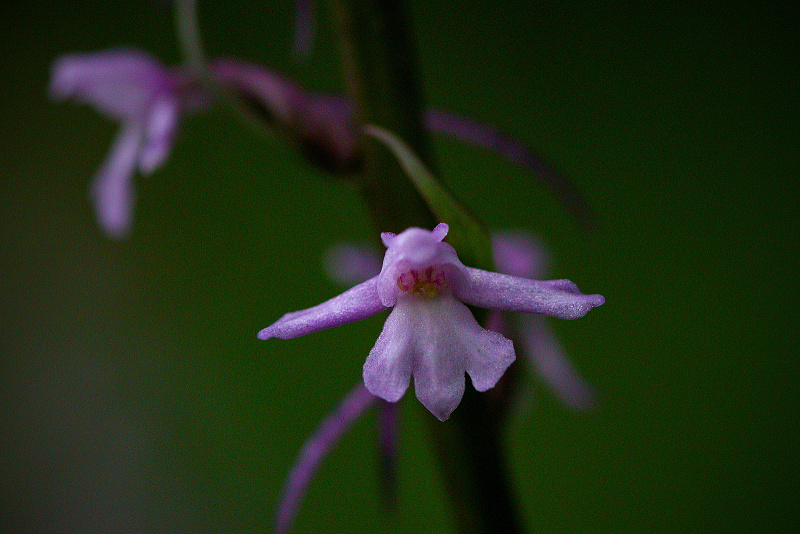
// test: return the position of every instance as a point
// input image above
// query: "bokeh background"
(135, 397)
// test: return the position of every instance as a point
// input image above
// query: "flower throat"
(428, 282)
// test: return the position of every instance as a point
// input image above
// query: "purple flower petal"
(159, 134)
(120, 83)
(436, 340)
(494, 291)
(327, 435)
(414, 248)
(387, 370)
(358, 302)
(147, 98)
(519, 254)
(349, 263)
(430, 334)
(544, 351)
(112, 189)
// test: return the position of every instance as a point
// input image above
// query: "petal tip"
(62, 77)
(440, 231)
(387, 238)
(442, 416)
(440, 399)
(264, 334)
(442, 412)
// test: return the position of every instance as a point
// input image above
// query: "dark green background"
(136, 397)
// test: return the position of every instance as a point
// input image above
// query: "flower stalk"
(381, 67)
(380, 62)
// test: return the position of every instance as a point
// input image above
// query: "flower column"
(381, 67)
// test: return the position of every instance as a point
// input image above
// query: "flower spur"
(430, 333)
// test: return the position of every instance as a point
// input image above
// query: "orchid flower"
(430, 333)
(516, 253)
(147, 98)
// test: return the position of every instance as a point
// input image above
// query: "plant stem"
(380, 64)
(470, 448)
(381, 67)
(189, 37)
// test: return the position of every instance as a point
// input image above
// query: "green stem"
(470, 448)
(189, 37)
(381, 66)
(188, 28)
